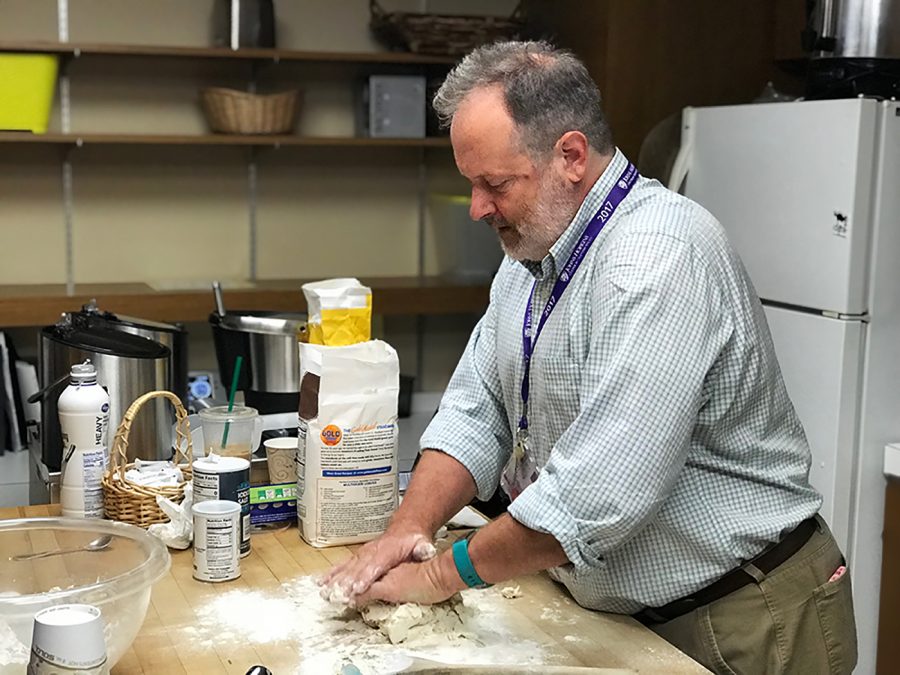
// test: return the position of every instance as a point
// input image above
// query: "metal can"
(225, 478)
(217, 533)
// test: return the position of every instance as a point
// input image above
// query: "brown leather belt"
(766, 561)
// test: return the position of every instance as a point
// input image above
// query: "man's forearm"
(439, 488)
(505, 549)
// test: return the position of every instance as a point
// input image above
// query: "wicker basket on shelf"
(231, 111)
(130, 502)
(443, 35)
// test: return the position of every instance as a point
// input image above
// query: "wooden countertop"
(582, 637)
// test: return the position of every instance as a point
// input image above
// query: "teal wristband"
(464, 565)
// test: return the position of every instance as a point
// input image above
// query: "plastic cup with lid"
(244, 429)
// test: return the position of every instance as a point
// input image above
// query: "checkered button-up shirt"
(668, 448)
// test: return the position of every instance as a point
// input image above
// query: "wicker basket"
(443, 35)
(231, 111)
(127, 501)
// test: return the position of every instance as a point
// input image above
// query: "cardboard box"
(273, 503)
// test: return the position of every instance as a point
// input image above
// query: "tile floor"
(14, 478)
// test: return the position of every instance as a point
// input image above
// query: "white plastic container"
(84, 421)
(217, 540)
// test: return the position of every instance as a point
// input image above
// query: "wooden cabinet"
(652, 57)
(889, 616)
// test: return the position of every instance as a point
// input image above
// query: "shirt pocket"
(555, 389)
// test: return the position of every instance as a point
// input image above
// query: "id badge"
(520, 471)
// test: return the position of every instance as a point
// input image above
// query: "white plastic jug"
(84, 421)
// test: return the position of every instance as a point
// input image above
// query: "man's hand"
(355, 576)
(440, 486)
(426, 583)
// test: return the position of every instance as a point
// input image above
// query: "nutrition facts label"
(216, 548)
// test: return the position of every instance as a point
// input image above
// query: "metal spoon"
(97, 544)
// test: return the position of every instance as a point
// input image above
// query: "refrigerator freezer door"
(821, 361)
(791, 183)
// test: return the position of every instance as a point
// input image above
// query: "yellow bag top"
(340, 312)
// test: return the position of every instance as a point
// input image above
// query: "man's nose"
(482, 205)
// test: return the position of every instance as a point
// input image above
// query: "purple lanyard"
(622, 187)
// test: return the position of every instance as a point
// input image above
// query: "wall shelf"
(39, 305)
(76, 50)
(218, 139)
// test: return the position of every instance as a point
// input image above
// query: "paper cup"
(281, 456)
(69, 636)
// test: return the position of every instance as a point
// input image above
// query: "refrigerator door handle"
(681, 165)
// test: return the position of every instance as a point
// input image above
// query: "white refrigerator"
(809, 193)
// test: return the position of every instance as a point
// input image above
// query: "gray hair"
(547, 91)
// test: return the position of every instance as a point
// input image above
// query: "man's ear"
(572, 149)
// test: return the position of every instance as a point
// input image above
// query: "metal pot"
(267, 342)
(860, 28)
(127, 366)
(856, 48)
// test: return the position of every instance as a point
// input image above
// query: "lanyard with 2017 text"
(622, 187)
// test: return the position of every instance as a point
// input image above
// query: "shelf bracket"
(422, 194)
(258, 65)
(68, 200)
(62, 20)
(65, 109)
(252, 195)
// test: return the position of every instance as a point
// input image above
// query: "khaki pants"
(792, 620)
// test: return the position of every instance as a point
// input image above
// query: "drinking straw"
(234, 381)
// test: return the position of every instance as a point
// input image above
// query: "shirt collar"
(562, 249)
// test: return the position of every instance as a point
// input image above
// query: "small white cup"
(69, 636)
(281, 457)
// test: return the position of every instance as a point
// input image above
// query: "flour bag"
(347, 456)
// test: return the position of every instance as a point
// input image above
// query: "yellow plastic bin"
(27, 82)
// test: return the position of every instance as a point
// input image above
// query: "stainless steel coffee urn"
(173, 336)
(127, 366)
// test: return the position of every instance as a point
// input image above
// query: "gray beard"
(544, 226)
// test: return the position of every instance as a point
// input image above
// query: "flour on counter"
(557, 616)
(327, 636)
(13, 654)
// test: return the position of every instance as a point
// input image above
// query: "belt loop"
(758, 575)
